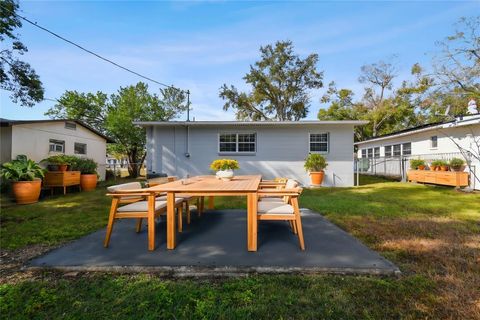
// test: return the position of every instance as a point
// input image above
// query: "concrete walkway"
(217, 241)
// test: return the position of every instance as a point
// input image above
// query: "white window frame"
(328, 143)
(375, 155)
(431, 142)
(236, 152)
(385, 151)
(75, 152)
(56, 142)
(393, 150)
(403, 150)
(370, 153)
(363, 152)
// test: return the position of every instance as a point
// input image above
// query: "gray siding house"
(272, 149)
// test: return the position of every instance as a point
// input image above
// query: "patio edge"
(196, 272)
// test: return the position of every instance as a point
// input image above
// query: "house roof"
(457, 122)
(245, 123)
(9, 123)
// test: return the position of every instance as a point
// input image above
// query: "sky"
(201, 45)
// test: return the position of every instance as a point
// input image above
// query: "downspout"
(187, 150)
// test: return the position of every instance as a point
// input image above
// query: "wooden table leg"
(171, 232)
(151, 222)
(252, 221)
(211, 202)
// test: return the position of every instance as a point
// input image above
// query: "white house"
(38, 139)
(272, 149)
(444, 140)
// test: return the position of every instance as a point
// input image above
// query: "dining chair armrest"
(281, 192)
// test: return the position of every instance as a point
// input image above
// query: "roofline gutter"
(246, 123)
(447, 125)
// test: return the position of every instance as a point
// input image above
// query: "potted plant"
(457, 164)
(417, 164)
(435, 165)
(443, 165)
(224, 168)
(60, 162)
(315, 164)
(88, 170)
(25, 175)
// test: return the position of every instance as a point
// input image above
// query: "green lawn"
(432, 233)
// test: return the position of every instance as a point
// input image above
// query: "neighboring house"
(429, 142)
(272, 149)
(38, 139)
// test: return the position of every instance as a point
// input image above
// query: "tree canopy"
(16, 76)
(115, 115)
(454, 79)
(280, 81)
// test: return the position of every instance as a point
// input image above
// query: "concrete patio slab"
(217, 242)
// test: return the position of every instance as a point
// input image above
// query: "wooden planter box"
(61, 179)
(447, 178)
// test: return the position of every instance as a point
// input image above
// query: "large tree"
(114, 115)
(381, 105)
(280, 82)
(16, 76)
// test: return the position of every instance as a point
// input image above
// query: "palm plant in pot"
(315, 164)
(457, 164)
(26, 177)
(224, 168)
(88, 170)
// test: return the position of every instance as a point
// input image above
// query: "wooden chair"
(186, 198)
(136, 207)
(285, 208)
(288, 184)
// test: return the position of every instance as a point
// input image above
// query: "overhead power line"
(92, 53)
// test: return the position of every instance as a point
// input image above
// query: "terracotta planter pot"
(444, 168)
(62, 167)
(88, 182)
(317, 177)
(26, 192)
(421, 167)
(433, 168)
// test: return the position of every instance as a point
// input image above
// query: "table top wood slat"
(211, 184)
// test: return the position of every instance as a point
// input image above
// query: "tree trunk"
(133, 168)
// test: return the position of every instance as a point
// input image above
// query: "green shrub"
(439, 163)
(59, 159)
(85, 166)
(315, 162)
(415, 163)
(456, 163)
(21, 169)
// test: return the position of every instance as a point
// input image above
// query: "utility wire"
(93, 53)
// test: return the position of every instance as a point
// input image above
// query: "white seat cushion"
(270, 207)
(291, 184)
(274, 199)
(142, 206)
(125, 186)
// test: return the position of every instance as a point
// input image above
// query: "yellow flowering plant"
(224, 164)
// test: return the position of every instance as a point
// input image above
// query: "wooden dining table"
(209, 186)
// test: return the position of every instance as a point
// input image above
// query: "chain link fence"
(397, 167)
(123, 170)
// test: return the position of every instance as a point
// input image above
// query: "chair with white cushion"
(187, 199)
(137, 209)
(285, 208)
(289, 184)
